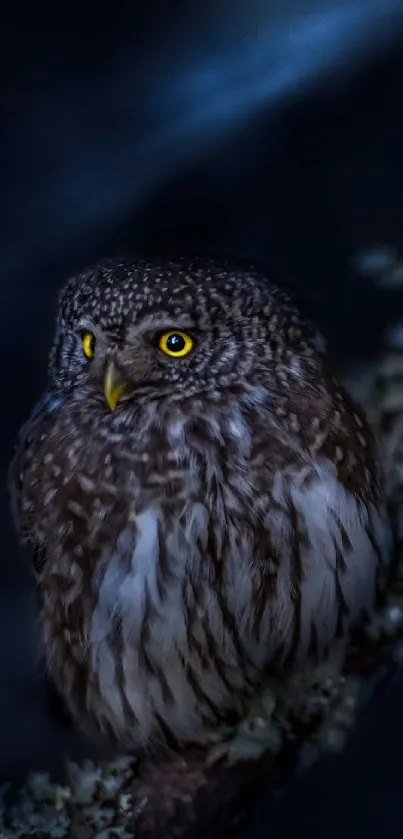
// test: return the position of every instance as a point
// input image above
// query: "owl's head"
(177, 327)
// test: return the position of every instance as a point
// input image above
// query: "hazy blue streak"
(98, 152)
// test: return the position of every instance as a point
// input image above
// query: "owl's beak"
(115, 385)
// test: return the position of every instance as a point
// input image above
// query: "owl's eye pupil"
(175, 343)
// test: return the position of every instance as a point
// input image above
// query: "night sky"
(268, 130)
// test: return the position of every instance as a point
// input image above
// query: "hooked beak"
(114, 385)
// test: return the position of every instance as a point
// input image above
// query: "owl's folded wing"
(22, 454)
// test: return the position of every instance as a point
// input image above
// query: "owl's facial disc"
(115, 385)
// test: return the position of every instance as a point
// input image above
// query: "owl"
(202, 501)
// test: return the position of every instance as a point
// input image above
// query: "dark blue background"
(270, 130)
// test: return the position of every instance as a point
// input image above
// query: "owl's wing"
(335, 559)
(21, 455)
(55, 701)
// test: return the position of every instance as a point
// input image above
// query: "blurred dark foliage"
(267, 130)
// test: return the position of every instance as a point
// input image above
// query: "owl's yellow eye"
(88, 342)
(175, 343)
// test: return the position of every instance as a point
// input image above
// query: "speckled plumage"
(227, 518)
